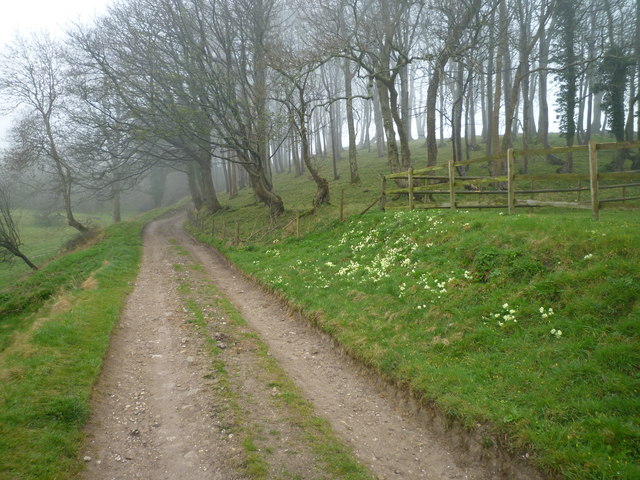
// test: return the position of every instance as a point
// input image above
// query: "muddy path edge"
(479, 444)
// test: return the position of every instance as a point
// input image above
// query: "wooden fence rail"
(416, 182)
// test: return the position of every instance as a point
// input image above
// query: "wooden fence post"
(593, 179)
(297, 225)
(531, 188)
(213, 226)
(236, 240)
(383, 195)
(452, 184)
(410, 187)
(410, 180)
(511, 191)
(579, 190)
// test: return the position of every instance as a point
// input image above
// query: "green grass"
(43, 238)
(415, 296)
(52, 352)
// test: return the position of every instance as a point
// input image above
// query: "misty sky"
(25, 16)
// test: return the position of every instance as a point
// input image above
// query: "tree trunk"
(404, 100)
(368, 106)
(387, 121)
(157, 181)
(498, 164)
(526, 119)
(456, 114)
(377, 116)
(405, 150)
(597, 127)
(365, 136)
(264, 192)
(531, 95)
(637, 55)
(194, 188)
(116, 212)
(432, 99)
(338, 126)
(543, 105)
(582, 87)
(233, 178)
(322, 193)
(64, 176)
(208, 191)
(630, 110)
(442, 143)
(489, 89)
(470, 134)
(226, 170)
(507, 80)
(26, 260)
(318, 130)
(336, 146)
(588, 119)
(354, 178)
(295, 153)
(483, 109)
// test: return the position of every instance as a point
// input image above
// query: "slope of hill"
(524, 326)
(527, 323)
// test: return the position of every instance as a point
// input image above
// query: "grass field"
(527, 324)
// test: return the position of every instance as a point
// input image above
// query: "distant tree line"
(230, 91)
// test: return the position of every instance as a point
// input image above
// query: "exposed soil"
(161, 410)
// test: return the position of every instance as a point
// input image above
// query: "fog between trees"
(229, 92)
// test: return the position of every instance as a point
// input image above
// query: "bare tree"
(379, 36)
(354, 177)
(238, 34)
(10, 241)
(32, 76)
(526, 43)
(299, 64)
(110, 156)
(456, 20)
(148, 53)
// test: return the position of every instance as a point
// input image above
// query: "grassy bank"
(43, 237)
(526, 324)
(54, 333)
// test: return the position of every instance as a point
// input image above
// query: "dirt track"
(156, 413)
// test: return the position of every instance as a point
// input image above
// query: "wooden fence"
(420, 183)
